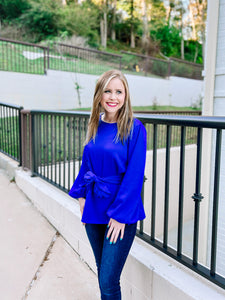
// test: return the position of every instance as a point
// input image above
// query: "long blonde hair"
(125, 114)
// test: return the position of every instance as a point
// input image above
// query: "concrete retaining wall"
(56, 90)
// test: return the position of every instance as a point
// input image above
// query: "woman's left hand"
(115, 228)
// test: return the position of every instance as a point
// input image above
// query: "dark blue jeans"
(110, 258)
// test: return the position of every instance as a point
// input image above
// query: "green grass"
(13, 59)
(9, 136)
(163, 108)
(149, 108)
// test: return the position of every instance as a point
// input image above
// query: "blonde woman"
(109, 183)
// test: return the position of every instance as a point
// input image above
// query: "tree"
(132, 36)
(169, 38)
(41, 19)
(11, 9)
(197, 15)
(113, 31)
(175, 16)
(103, 23)
(169, 10)
(145, 35)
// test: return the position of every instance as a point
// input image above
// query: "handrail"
(23, 43)
(89, 50)
(202, 121)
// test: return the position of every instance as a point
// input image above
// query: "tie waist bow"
(99, 184)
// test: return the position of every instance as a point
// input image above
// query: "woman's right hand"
(82, 203)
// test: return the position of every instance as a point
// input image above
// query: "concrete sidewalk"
(35, 261)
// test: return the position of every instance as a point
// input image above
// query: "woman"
(109, 183)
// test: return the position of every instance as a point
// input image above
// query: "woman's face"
(113, 97)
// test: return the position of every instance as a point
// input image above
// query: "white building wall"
(217, 104)
(219, 110)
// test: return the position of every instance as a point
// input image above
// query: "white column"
(208, 103)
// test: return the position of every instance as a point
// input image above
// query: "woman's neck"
(108, 118)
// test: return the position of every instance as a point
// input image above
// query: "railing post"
(215, 202)
(169, 69)
(26, 139)
(33, 155)
(167, 179)
(154, 167)
(20, 137)
(142, 197)
(48, 58)
(197, 196)
(181, 192)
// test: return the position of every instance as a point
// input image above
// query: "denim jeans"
(110, 258)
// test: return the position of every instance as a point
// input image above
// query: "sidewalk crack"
(47, 253)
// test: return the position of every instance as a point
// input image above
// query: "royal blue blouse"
(111, 176)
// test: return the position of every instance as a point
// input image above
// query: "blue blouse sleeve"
(126, 205)
(78, 190)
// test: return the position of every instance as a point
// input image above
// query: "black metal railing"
(175, 250)
(147, 65)
(81, 60)
(10, 130)
(56, 140)
(31, 58)
(22, 57)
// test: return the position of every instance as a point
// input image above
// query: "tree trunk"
(196, 53)
(198, 16)
(103, 24)
(181, 29)
(145, 26)
(182, 47)
(113, 33)
(132, 36)
(193, 25)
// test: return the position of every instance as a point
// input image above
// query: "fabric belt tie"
(98, 184)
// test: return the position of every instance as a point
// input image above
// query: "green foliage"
(38, 20)
(80, 20)
(41, 19)
(12, 9)
(123, 29)
(192, 49)
(169, 37)
(158, 16)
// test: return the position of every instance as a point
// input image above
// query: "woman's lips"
(111, 104)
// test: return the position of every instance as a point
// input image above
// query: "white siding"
(219, 110)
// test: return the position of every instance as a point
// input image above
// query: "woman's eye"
(107, 91)
(119, 92)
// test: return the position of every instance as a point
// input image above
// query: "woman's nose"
(113, 95)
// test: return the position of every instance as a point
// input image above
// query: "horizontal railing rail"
(10, 130)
